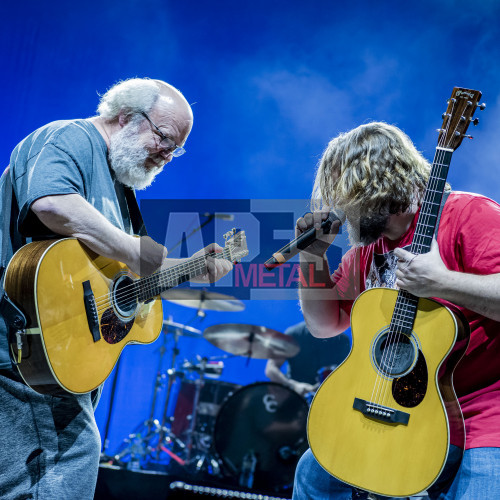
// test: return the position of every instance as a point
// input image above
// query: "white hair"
(135, 95)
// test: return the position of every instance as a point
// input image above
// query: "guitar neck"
(407, 303)
(429, 211)
(151, 286)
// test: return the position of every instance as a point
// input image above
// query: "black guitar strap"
(138, 225)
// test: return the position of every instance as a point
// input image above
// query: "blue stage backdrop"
(270, 83)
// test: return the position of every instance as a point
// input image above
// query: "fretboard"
(151, 286)
(406, 303)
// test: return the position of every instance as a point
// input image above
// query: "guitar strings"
(387, 359)
(156, 276)
(402, 303)
(406, 300)
(188, 265)
(406, 304)
(191, 263)
(147, 289)
(167, 277)
(158, 279)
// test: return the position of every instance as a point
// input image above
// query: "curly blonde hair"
(374, 167)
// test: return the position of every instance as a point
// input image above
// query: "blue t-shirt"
(315, 354)
(63, 157)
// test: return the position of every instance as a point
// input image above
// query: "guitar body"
(370, 451)
(59, 353)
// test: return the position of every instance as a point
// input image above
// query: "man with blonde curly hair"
(76, 178)
(377, 177)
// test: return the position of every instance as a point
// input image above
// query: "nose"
(167, 156)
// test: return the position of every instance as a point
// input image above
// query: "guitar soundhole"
(394, 354)
(124, 297)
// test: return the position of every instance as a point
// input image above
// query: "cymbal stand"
(141, 442)
(165, 433)
(203, 458)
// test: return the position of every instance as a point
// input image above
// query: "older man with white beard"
(76, 178)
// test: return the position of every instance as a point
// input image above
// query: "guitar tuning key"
(229, 234)
(475, 121)
(482, 106)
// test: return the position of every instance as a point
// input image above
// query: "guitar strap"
(138, 225)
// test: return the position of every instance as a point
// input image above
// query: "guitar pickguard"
(113, 329)
(410, 390)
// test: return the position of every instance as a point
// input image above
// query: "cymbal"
(170, 326)
(252, 341)
(201, 299)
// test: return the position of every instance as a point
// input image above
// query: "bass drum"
(268, 420)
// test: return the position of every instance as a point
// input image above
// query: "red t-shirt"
(469, 242)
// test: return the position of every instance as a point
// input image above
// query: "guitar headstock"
(458, 116)
(236, 243)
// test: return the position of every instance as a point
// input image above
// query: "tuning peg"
(482, 106)
(228, 235)
(475, 121)
(467, 136)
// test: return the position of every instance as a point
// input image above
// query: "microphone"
(219, 216)
(303, 241)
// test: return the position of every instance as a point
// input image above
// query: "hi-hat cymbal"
(252, 341)
(170, 326)
(201, 299)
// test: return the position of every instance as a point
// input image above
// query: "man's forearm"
(426, 275)
(320, 305)
(72, 215)
(479, 293)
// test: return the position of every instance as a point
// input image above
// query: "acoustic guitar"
(82, 309)
(383, 420)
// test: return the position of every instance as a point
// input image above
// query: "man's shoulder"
(462, 202)
(69, 135)
(74, 137)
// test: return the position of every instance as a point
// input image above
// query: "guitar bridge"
(379, 412)
(91, 310)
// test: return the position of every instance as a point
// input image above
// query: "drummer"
(315, 360)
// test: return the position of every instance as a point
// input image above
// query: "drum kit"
(251, 436)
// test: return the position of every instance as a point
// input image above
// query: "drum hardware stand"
(247, 470)
(104, 457)
(141, 442)
(165, 433)
(203, 459)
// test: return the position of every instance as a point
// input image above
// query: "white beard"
(128, 156)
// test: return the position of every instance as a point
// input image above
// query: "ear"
(123, 118)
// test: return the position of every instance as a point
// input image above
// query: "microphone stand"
(210, 218)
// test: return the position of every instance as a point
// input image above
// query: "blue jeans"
(478, 478)
(49, 447)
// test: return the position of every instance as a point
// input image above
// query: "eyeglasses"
(166, 143)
